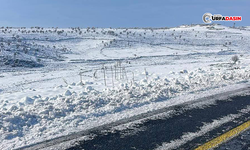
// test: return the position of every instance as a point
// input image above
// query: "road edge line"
(225, 137)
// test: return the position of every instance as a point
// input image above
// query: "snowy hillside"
(57, 81)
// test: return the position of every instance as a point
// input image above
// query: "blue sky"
(117, 13)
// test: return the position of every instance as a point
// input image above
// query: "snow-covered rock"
(183, 71)
(67, 93)
(27, 100)
(89, 88)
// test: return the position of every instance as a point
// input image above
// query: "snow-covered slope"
(58, 81)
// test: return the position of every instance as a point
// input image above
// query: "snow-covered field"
(57, 81)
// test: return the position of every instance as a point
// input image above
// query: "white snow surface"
(42, 97)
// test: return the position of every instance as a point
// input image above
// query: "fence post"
(146, 73)
(112, 76)
(133, 77)
(120, 65)
(124, 71)
(104, 76)
(115, 71)
(80, 77)
(94, 75)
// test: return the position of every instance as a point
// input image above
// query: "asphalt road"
(153, 132)
(241, 142)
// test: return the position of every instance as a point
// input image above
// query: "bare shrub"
(235, 58)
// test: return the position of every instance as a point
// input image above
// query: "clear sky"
(117, 13)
